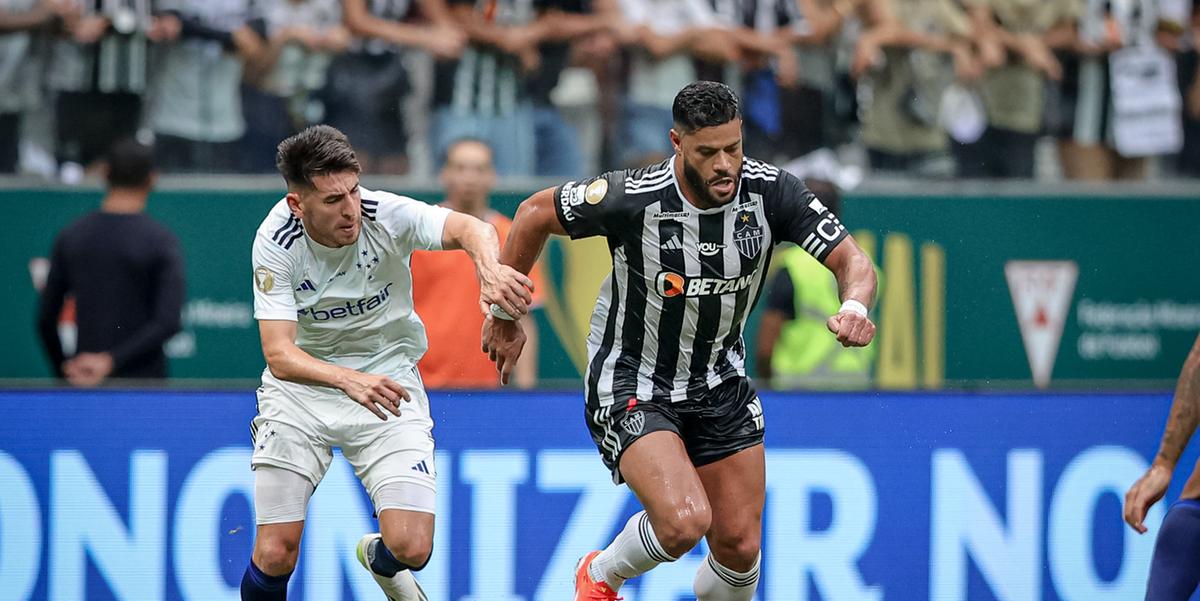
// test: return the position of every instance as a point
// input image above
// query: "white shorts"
(298, 426)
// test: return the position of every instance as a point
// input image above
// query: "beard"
(700, 187)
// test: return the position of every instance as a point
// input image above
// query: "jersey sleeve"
(273, 294)
(586, 208)
(413, 224)
(797, 215)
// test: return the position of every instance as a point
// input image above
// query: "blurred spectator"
(445, 290)
(590, 91)
(901, 60)
(98, 68)
(668, 35)
(282, 81)
(768, 70)
(368, 84)
(196, 105)
(20, 67)
(125, 273)
(819, 111)
(486, 93)
(1188, 162)
(1010, 37)
(1120, 97)
(556, 143)
(795, 349)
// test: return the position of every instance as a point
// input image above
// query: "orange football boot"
(587, 589)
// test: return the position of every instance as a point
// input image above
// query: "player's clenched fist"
(851, 329)
(372, 391)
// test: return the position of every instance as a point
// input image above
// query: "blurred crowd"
(1087, 89)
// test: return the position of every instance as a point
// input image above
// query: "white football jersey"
(353, 305)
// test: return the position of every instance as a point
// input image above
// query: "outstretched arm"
(1185, 416)
(440, 37)
(856, 287)
(535, 220)
(498, 284)
(41, 14)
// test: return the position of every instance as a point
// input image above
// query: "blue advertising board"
(146, 495)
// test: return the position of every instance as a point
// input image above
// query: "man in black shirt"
(125, 273)
(669, 405)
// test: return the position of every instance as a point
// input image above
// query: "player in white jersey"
(333, 297)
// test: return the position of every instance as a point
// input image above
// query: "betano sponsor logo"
(669, 284)
(349, 308)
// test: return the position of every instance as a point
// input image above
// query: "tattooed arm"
(1185, 416)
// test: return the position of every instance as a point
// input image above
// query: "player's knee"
(736, 551)
(276, 555)
(411, 550)
(684, 529)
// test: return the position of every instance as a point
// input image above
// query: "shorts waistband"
(1192, 503)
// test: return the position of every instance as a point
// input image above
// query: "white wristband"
(499, 313)
(854, 306)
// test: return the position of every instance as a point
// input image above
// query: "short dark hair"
(317, 150)
(130, 164)
(704, 104)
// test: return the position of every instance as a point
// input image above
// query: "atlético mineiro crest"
(747, 234)
(634, 422)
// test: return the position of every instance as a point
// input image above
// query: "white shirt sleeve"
(413, 224)
(634, 11)
(273, 294)
(701, 14)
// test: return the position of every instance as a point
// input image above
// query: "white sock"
(634, 552)
(715, 582)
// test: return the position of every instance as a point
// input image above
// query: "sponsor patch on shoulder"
(264, 280)
(596, 191)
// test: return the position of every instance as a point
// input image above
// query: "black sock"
(257, 586)
(383, 562)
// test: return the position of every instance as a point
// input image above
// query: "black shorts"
(712, 426)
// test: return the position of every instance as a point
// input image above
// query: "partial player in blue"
(1175, 569)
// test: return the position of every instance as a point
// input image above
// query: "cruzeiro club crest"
(747, 234)
(634, 422)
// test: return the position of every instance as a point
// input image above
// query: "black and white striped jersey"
(668, 321)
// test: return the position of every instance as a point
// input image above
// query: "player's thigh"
(736, 489)
(640, 444)
(657, 469)
(284, 436)
(394, 459)
(724, 440)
